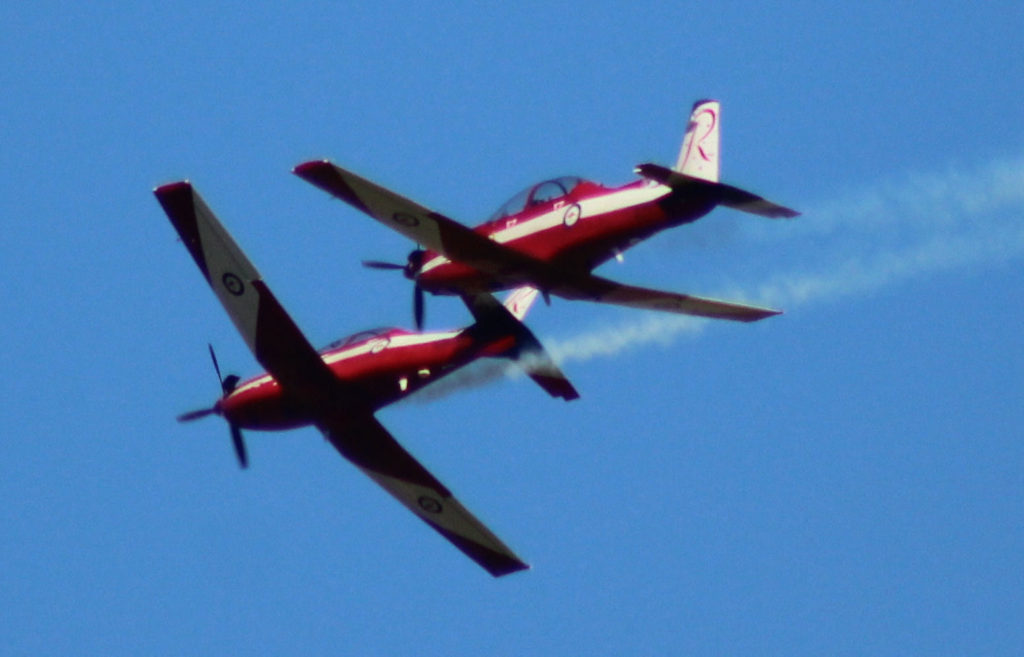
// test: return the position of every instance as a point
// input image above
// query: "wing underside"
(595, 288)
(421, 225)
(367, 444)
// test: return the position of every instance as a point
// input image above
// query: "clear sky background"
(845, 479)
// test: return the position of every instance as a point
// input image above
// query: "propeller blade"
(216, 367)
(228, 383)
(227, 386)
(195, 415)
(379, 264)
(239, 443)
(417, 306)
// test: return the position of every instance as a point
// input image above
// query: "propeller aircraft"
(554, 233)
(338, 389)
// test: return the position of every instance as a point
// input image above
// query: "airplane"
(339, 388)
(554, 233)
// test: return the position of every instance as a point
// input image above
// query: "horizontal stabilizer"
(494, 318)
(540, 368)
(727, 195)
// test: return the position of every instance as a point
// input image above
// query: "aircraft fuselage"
(576, 232)
(385, 367)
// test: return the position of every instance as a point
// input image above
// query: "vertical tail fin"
(698, 157)
(519, 301)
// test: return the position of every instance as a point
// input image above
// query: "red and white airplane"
(338, 389)
(553, 234)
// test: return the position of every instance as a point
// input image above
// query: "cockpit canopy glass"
(355, 338)
(549, 190)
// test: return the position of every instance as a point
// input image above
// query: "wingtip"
(751, 314)
(170, 187)
(310, 165)
(504, 571)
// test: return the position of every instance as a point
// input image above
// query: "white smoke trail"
(897, 231)
(859, 275)
(917, 202)
(926, 224)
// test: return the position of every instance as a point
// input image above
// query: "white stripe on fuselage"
(589, 208)
(397, 341)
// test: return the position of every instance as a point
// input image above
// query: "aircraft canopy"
(361, 336)
(549, 190)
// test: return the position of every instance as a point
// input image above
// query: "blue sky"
(843, 479)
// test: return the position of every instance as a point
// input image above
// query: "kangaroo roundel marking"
(233, 284)
(429, 504)
(405, 219)
(572, 215)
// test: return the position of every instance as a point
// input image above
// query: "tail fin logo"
(699, 155)
(703, 126)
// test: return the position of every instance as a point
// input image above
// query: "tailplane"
(494, 320)
(698, 158)
(727, 195)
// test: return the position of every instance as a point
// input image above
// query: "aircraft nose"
(414, 263)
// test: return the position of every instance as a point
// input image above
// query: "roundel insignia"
(572, 215)
(405, 219)
(233, 284)
(429, 504)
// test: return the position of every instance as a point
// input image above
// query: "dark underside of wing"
(367, 444)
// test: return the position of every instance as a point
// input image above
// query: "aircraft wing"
(595, 288)
(272, 336)
(423, 226)
(367, 444)
(346, 421)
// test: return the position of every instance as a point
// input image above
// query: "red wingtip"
(312, 165)
(170, 188)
